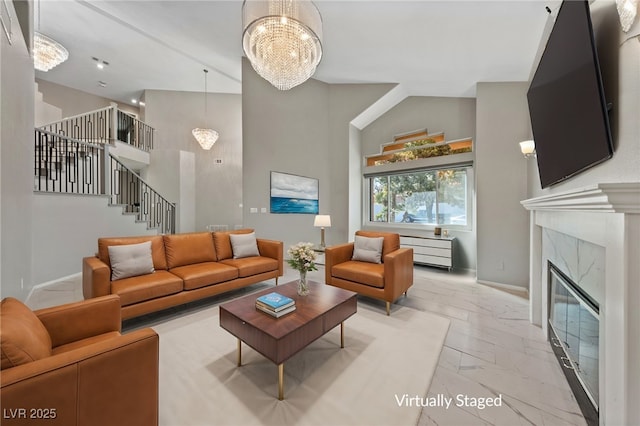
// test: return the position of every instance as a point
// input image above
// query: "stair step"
(123, 206)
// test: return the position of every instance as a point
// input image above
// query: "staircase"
(72, 157)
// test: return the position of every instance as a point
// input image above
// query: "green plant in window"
(380, 198)
(412, 197)
(412, 151)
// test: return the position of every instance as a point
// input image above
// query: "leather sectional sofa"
(186, 267)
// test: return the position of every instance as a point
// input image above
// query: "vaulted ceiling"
(432, 48)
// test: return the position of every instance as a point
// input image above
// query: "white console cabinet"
(435, 251)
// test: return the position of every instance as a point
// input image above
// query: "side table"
(319, 254)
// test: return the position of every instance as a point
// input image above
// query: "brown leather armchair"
(69, 365)
(386, 281)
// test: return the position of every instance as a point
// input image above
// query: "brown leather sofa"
(385, 281)
(69, 365)
(186, 267)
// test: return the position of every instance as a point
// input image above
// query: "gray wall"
(73, 102)
(501, 183)
(303, 131)
(454, 116)
(218, 186)
(355, 204)
(71, 230)
(16, 160)
(175, 172)
(44, 113)
(346, 102)
(286, 132)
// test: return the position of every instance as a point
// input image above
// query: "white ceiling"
(432, 48)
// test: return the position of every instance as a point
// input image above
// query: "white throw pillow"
(368, 249)
(130, 260)
(244, 245)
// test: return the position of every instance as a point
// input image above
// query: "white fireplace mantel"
(607, 215)
(603, 197)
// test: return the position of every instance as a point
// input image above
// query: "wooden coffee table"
(278, 339)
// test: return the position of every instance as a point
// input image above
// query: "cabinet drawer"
(425, 242)
(431, 251)
(432, 260)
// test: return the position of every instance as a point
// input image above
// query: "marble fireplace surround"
(600, 220)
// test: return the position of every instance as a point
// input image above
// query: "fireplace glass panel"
(573, 327)
(574, 319)
(559, 313)
(589, 347)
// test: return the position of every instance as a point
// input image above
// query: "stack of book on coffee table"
(275, 304)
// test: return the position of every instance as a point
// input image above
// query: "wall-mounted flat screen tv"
(567, 105)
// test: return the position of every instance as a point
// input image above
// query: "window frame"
(369, 176)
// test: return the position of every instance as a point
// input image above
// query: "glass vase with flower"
(302, 259)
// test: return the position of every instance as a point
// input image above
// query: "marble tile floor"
(491, 351)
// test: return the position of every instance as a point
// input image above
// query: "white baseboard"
(50, 283)
(509, 287)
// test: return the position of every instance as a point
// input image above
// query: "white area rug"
(385, 357)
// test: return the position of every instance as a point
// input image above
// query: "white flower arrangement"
(302, 257)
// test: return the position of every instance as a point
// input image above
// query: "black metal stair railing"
(66, 165)
(136, 196)
(134, 132)
(63, 164)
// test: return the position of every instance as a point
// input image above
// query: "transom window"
(428, 197)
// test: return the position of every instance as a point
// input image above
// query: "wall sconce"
(321, 221)
(528, 148)
(627, 11)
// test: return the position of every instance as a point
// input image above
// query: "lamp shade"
(528, 147)
(322, 220)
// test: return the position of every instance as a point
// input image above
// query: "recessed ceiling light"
(142, 103)
(134, 101)
(100, 63)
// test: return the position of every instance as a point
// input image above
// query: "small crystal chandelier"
(627, 11)
(205, 137)
(282, 39)
(47, 53)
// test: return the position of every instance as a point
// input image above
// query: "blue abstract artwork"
(293, 194)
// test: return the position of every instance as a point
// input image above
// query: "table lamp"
(322, 221)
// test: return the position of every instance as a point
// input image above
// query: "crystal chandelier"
(627, 11)
(282, 39)
(47, 53)
(205, 137)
